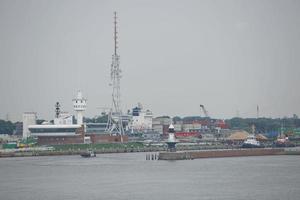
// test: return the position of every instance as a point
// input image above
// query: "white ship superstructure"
(141, 119)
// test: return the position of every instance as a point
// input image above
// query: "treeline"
(98, 119)
(263, 125)
(7, 127)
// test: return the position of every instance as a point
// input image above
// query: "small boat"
(88, 154)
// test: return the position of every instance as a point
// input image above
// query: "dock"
(190, 155)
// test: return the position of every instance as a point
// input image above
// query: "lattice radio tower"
(114, 125)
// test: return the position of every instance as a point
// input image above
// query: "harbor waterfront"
(185, 151)
(152, 100)
(77, 149)
(133, 177)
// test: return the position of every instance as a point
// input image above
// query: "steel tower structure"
(114, 124)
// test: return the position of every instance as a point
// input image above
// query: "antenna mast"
(115, 32)
(114, 124)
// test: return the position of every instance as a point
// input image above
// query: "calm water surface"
(130, 176)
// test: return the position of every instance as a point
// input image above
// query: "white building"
(53, 130)
(158, 128)
(191, 127)
(63, 123)
(79, 104)
(161, 124)
(29, 118)
(177, 127)
(162, 121)
(64, 118)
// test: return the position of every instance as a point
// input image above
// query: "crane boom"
(204, 110)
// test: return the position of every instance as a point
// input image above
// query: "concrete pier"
(187, 155)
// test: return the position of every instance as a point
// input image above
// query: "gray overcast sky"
(228, 55)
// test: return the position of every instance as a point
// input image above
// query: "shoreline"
(72, 152)
(165, 155)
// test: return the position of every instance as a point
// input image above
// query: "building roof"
(54, 126)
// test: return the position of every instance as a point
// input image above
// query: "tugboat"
(88, 154)
(251, 141)
(283, 140)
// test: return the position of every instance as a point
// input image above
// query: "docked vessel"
(251, 141)
(88, 154)
(284, 142)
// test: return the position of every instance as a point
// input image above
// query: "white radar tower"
(79, 104)
(114, 124)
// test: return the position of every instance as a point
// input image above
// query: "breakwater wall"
(77, 151)
(186, 155)
(28, 153)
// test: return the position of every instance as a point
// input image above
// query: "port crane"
(209, 122)
(204, 110)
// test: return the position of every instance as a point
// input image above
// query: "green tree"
(7, 127)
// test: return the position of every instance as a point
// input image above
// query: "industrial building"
(62, 134)
(161, 124)
(62, 131)
(29, 118)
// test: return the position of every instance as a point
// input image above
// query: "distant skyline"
(175, 55)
